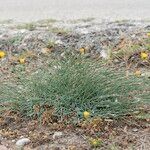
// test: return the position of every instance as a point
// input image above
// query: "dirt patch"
(127, 133)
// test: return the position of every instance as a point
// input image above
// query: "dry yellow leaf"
(82, 50)
(137, 73)
(46, 50)
(22, 60)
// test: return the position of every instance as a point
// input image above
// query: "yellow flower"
(137, 73)
(82, 50)
(144, 55)
(2, 54)
(95, 142)
(22, 60)
(86, 114)
(148, 34)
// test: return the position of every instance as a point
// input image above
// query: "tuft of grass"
(84, 20)
(8, 21)
(74, 85)
(59, 30)
(47, 21)
(50, 44)
(28, 26)
(123, 21)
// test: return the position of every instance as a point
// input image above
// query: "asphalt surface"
(32, 10)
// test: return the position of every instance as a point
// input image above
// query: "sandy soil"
(31, 10)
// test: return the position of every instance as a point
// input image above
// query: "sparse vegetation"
(126, 48)
(50, 44)
(47, 21)
(59, 30)
(82, 20)
(9, 21)
(28, 26)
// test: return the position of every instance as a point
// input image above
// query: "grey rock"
(22, 142)
(57, 135)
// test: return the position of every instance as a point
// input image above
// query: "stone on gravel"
(13, 141)
(134, 129)
(104, 54)
(22, 142)
(59, 42)
(57, 135)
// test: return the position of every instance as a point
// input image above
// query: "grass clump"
(50, 44)
(27, 26)
(57, 30)
(83, 20)
(47, 21)
(7, 21)
(74, 85)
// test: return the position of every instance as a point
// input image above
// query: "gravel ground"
(94, 37)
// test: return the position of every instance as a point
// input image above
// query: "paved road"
(31, 10)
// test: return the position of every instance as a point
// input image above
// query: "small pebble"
(59, 42)
(104, 54)
(22, 142)
(134, 129)
(57, 135)
(13, 141)
(21, 137)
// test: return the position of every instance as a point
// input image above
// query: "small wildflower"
(86, 114)
(148, 34)
(2, 54)
(137, 73)
(95, 142)
(144, 55)
(82, 50)
(22, 60)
